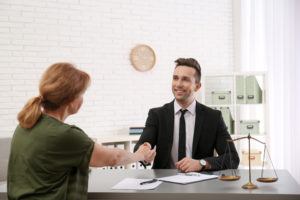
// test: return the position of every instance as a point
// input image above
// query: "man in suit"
(185, 132)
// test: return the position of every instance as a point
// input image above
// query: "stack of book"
(136, 130)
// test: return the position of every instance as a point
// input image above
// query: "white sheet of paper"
(185, 178)
(134, 184)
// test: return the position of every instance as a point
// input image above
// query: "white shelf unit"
(227, 82)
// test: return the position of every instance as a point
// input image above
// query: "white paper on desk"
(134, 184)
(187, 178)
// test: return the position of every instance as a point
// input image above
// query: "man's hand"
(145, 150)
(151, 157)
(188, 165)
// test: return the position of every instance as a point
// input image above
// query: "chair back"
(4, 156)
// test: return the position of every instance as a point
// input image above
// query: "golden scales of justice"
(234, 177)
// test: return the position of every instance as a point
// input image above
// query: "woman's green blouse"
(49, 161)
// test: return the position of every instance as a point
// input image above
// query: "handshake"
(144, 153)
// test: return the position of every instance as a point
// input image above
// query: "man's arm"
(230, 160)
(150, 132)
(223, 161)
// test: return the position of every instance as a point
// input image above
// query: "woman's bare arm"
(104, 156)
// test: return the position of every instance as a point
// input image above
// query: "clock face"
(143, 57)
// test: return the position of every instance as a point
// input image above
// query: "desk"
(101, 181)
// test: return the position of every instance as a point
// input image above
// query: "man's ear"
(198, 86)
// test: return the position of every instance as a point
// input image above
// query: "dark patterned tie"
(181, 143)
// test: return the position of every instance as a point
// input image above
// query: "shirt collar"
(191, 108)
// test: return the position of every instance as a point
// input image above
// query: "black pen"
(147, 182)
(144, 164)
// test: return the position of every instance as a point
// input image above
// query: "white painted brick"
(11, 35)
(98, 36)
(4, 30)
(4, 77)
(33, 3)
(5, 5)
(11, 47)
(3, 18)
(26, 76)
(10, 59)
(34, 59)
(20, 18)
(22, 8)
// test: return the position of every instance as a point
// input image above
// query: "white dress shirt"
(190, 117)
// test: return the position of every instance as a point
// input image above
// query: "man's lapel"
(198, 126)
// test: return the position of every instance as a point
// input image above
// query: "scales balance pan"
(229, 178)
(234, 177)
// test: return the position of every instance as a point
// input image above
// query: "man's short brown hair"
(190, 62)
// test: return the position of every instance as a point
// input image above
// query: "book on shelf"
(136, 130)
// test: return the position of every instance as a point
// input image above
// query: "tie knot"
(183, 111)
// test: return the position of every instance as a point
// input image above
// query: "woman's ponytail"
(31, 112)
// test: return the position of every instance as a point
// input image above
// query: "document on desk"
(186, 178)
(135, 184)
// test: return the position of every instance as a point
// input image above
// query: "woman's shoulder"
(52, 126)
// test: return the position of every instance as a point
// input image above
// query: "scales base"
(249, 185)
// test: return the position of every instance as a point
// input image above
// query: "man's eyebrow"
(186, 77)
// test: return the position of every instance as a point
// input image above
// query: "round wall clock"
(142, 57)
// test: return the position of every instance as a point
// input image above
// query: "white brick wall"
(98, 35)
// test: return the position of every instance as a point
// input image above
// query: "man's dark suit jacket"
(210, 133)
